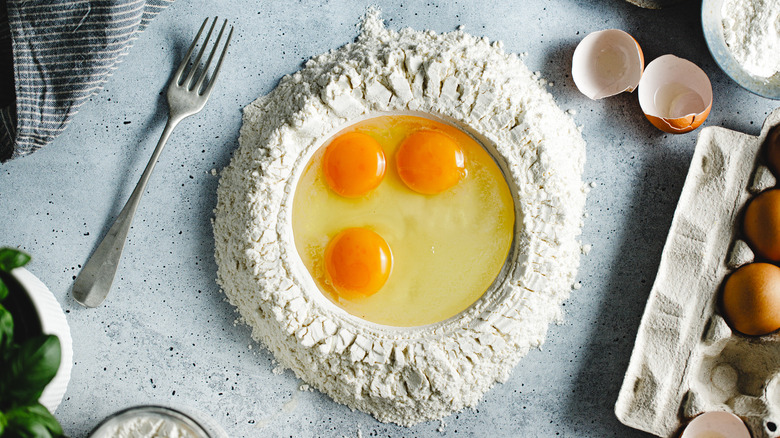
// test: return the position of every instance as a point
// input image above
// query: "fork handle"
(94, 281)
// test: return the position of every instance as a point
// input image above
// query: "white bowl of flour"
(744, 38)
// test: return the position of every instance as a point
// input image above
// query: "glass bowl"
(153, 421)
(713, 34)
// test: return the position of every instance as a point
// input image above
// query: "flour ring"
(402, 375)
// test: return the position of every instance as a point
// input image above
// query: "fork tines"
(195, 81)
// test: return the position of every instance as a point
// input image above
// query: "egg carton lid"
(655, 395)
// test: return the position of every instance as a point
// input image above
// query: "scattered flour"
(751, 29)
(402, 375)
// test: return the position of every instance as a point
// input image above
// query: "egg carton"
(686, 359)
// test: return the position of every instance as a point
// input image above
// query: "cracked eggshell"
(716, 424)
(675, 94)
(606, 63)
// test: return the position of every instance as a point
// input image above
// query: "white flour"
(403, 375)
(751, 29)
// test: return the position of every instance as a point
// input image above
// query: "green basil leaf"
(6, 330)
(6, 402)
(32, 367)
(3, 290)
(3, 423)
(32, 421)
(11, 258)
(27, 428)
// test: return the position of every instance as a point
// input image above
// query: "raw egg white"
(751, 299)
(420, 246)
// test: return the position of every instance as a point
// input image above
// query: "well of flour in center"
(438, 238)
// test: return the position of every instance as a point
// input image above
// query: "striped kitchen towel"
(54, 55)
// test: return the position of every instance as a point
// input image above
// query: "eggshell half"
(716, 424)
(606, 63)
(675, 94)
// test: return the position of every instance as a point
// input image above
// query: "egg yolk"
(430, 162)
(354, 164)
(358, 262)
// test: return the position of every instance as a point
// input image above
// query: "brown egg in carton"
(688, 358)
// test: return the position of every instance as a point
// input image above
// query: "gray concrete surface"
(165, 335)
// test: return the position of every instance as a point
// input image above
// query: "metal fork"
(187, 95)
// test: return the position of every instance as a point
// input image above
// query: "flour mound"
(402, 375)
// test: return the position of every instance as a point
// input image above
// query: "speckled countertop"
(165, 335)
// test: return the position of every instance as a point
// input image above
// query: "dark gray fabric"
(62, 53)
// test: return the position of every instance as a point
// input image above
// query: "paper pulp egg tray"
(686, 358)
